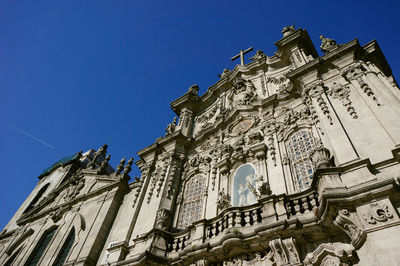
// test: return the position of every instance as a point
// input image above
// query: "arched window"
(244, 177)
(299, 147)
(62, 256)
(37, 198)
(192, 207)
(41, 247)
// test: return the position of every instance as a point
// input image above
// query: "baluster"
(210, 231)
(231, 220)
(238, 219)
(226, 221)
(170, 245)
(247, 218)
(214, 229)
(259, 215)
(301, 207)
(217, 227)
(223, 224)
(183, 242)
(313, 202)
(177, 244)
(296, 207)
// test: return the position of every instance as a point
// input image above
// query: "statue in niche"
(241, 193)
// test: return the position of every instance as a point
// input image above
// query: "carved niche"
(284, 251)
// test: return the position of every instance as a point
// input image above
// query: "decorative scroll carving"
(163, 218)
(223, 201)
(357, 72)
(316, 90)
(284, 251)
(341, 92)
(331, 254)
(378, 212)
(154, 178)
(144, 168)
(345, 222)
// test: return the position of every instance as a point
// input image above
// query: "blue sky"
(75, 75)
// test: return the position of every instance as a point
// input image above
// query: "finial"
(120, 167)
(103, 166)
(128, 166)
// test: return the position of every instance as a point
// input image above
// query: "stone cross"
(241, 55)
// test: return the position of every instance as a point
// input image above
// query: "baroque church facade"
(290, 159)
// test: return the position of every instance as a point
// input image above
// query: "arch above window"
(244, 177)
(192, 206)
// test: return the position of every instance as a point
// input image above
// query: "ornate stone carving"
(378, 212)
(356, 72)
(75, 186)
(327, 45)
(223, 201)
(244, 92)
(163, 218)
(241, 126)
(285, 86)
(171, 127)
(185, 118)
(341, 92)
(284, 251)
(316, 90)
(345, 222)
(261, 188)
(154, 178)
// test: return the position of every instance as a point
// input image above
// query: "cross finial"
(241, 55)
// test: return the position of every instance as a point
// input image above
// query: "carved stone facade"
(291, 159)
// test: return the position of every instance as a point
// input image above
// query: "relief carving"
(75, 186)
(284, 252)
(163, 218)
(341, 92)
(316, 90)
(378, 212)
(244, 92)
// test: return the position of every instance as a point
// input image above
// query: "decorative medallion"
(242, 126)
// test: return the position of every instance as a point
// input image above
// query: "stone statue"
(225, 73)
(194, 90)
(171, 127)
(259, 55)
(245, 92)
(287, 30)
(223, 201)
(327, 45)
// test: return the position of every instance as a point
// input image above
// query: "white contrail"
(29, 135)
